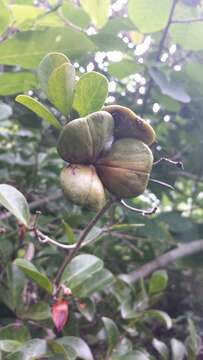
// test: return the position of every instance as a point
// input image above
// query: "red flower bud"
(59, 312)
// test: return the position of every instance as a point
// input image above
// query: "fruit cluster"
(106, 150)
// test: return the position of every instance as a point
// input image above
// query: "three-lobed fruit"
(126, 168)
(129, 124)
(82, 186)
(83, 140)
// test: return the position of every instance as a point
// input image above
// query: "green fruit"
(128, 124)
(82, 186)
(82, 140)
(126, 168)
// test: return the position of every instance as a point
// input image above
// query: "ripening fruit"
(82, 186)
(128, 124)
(126, 168)
(82, 140)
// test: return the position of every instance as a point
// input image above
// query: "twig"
(85, 232)
(159, 51)
(163, 260)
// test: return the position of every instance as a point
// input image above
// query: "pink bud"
(59, 312)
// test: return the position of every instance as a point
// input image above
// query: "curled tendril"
(179, 164)
(162, 183)
(139, 211)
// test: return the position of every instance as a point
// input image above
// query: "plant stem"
(85, 232)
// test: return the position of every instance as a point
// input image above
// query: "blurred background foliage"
(151, 53)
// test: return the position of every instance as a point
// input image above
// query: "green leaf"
(158, 282)
(14, 201)
(159, 316)
(39, 109)
(149, 15)
(48, 64)
(189, 36)
(4, 17)
(168, 87)
(97, 10)
(75, 14)
(161, 348)
(66, 352)
(87, 308)
(123, 347)
(61, 86)
(112, 333)
(5, 111)
(25, 15)
(94, 283)
(31, 271)
(90, 93)
(178, 350)
(15, 331)
(9, 345)
(124, 68)
(69, 233)
(81, 348)
(25, 49)
(135, 355)
(38, 311)
(14, 83)
(32, 349)
(79, 269)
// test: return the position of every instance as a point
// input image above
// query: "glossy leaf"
(37, 312)
(39, 109)
(4, 17)
(48, 64)
(97, 281)
(123, 347)
(79, 269)
(112, 333)
(61, 86)
(170, 88)
(90, 93)
(15, 331)
(81, 348)
(158, 282)
(87, 308)
(63, 352)
(14, 83)
(149, 15)
(161, 348)
(161, 316)
(178, 349)
(69, 233)
(135, 355)
(14, 201)
(32, 349)
(25, 49)
(9, 345)
(97, 10)
(5, 111)
(31, 271)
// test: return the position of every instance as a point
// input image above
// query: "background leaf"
(14, 201)
(148, 15)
